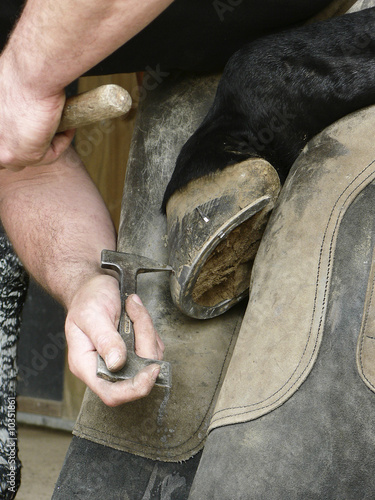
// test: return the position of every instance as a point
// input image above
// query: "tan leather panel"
(281, 332)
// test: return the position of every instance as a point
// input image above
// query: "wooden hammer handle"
(107, 101)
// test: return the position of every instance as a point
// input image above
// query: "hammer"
(106, 101)
(128, 266)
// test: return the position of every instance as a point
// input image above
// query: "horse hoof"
(215, 225)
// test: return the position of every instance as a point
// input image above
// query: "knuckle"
(103, 343)
(114, 396)
(71, 329)
(72, 364)
(17, 160)
(110, 400)
(144, 391)
(8, 158)
(69, 323)
(34, 157)
(144, 386)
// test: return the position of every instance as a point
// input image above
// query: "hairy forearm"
(56, 41)
(58, 225)
(57, 222)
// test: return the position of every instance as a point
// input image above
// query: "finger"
(125, 391)
(9, 160)
(161, 347)
(102, 335)
(109, 344)
(146, 338)
(58, 146)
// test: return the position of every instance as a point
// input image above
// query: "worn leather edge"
(180, 453)
(366, 345)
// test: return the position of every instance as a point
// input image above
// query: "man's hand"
(54, 43)
(28, 123)
(91, 328)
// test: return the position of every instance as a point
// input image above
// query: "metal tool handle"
(134, 363)
(107, 101)
(128, 266)
(126, 329)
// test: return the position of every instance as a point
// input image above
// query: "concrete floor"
(42, 452)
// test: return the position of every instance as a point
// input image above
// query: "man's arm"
(55, 42)
(58, 225)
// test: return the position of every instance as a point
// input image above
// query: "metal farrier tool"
(110, 101)
(128, 266)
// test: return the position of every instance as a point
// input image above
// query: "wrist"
(26, 80)
(26, 56)
(97, 279)
(100, 282)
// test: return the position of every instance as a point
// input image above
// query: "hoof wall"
(215, 225)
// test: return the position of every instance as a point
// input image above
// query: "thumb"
(109, 345)
(92, 330)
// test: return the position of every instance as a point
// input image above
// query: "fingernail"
(112, 359)
(137, 300)
(155, 373)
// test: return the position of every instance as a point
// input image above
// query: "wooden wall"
(104, 147)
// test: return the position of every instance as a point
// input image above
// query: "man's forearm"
(56, 41)
(57, 223)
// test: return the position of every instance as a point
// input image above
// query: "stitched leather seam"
(291, 388)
